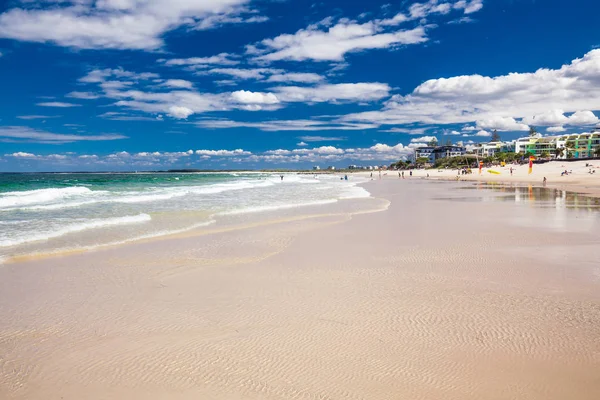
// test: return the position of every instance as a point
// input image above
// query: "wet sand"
(449, 293)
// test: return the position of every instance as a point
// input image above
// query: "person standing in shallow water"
(281, 177)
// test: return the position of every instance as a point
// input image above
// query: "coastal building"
(581, 145)
(439, 152)
(331, 168)
(316, 168)
(491, 148)
(425, 152)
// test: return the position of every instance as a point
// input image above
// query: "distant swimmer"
(345, 177)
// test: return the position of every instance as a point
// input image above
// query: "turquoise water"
(53, 212)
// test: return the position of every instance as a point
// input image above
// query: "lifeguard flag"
(531, 158)
(480, 166)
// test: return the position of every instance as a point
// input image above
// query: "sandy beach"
(579, 177)
(427, 290)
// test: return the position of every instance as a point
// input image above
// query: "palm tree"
(597, 151)
(559, 152)
(570, 145)
(545, 154)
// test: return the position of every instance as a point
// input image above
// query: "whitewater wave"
(36, 200)
(17, 199)
(76, 227)
(249, 210)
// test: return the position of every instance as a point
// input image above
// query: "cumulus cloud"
(247, 97)
(483, 133)
(179, 112)
(222, 153)
(555, 129)
(114, 24)
(580, 118)
(464, 99)
(502, 124)
(423, 139)
(26, 134)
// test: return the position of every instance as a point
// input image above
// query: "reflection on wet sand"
(532, 195)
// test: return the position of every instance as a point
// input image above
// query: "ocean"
(48, 213)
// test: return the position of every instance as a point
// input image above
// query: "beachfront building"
(490, 149)
(425, 152)
(536, 145)
(439, 152)
(581, 145)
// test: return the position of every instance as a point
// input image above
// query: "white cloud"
(323, 43)
(113, 24)
(179, 112)
(178, 84)
(301, 144)
(285, 125)
(237, 17)
(202, 62)
(333, 92)
(58, 104)
(329, 41)
(83, 95)
(464, 99)
(21, 154)
(502, 124)
(30, 117)
(247, 97)
(554, 129)
(483, 133)
(222, 153)
(548, 118)
(302, 77)
(583, 118)
(26, 134)
(423, 139)
(322, 138)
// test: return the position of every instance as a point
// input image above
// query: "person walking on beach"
(410, 173)
(511, 170)
(281, 177)
(544, 181)
(402, 174)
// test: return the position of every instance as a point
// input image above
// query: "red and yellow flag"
(531, 158)
(480, 166)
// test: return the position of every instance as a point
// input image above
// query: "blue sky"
(142, 84)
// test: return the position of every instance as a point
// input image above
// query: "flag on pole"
(480, 166)
(531, 158)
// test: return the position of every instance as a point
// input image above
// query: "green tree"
(545, 154)
(559, 152)
(496, 136)
(570, 145)
(597, 151)
(422, 160)
(433, 142)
